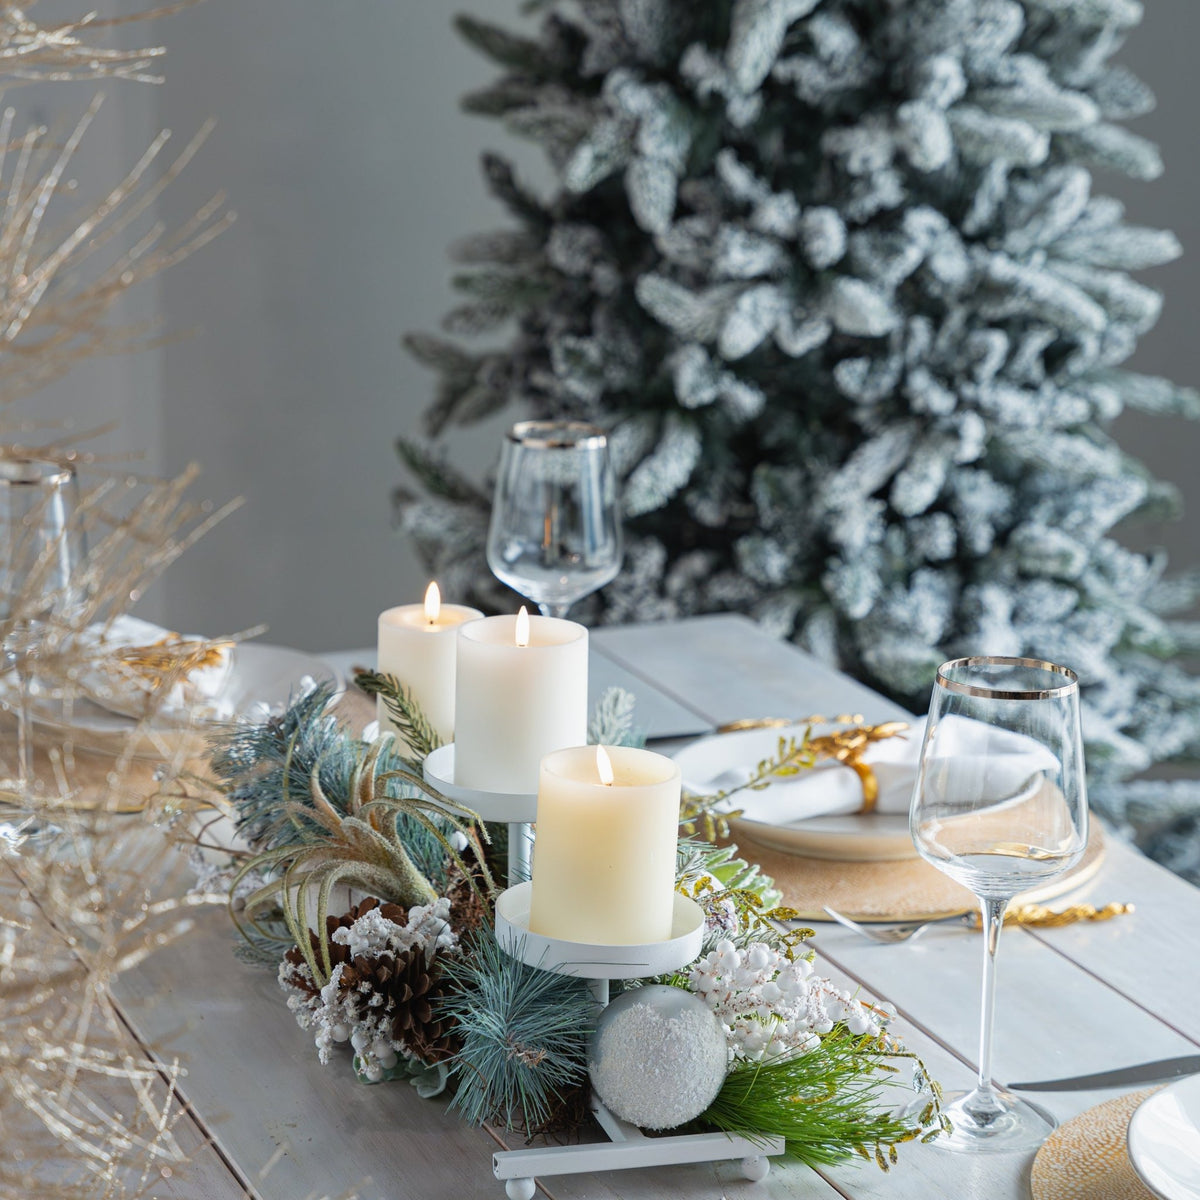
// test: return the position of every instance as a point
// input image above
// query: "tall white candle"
(515, 703)
(418, 644)
(604, 859)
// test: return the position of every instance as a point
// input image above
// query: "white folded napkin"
(972, 758)
(113, 679)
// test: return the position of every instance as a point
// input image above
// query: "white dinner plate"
(1164, 1141)
(851, 837)
(260, 678)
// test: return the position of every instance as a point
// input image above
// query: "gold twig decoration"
(170, 658)
(1038, 916)
(90, 1113)
(30, 52)
(56, 292)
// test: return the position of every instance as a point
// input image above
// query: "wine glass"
(37, 540)
(555, 533)
(1000, 805)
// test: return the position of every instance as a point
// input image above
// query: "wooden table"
(1071, 1000)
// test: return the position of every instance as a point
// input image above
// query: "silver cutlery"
(891, 935)
(1147, 1072)
(1029, 915)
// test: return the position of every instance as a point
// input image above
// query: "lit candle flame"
(604, 767)
(522, 630)
(433, 603)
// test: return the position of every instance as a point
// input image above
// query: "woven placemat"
(1086, 1158)
(901, 890)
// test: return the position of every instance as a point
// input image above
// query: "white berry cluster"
(360, 1016)
(373, 934)
(770, 1005)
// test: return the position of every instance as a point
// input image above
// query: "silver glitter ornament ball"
(658, 1057)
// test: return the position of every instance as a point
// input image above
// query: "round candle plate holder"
(517, 809)
(596, 962)
(628, 1147)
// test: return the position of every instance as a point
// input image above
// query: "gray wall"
(1161, 51)
(351, 169)
(124, 390)
(340, 142)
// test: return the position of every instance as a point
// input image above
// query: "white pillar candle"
(418, 644)
(604, 859)
(516, 703)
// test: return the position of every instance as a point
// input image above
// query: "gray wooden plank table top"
(1070, 1000)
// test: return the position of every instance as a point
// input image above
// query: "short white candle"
(516, 703)
(418, 644)
(604, 859)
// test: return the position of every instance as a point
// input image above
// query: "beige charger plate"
(908, 890)
(1086, 1158)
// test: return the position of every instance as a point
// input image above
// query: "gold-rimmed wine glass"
(555, 532)
(1000, 805)
(37, 544)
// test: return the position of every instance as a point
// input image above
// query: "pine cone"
(468, 908)
(417, 989)
(299, 979)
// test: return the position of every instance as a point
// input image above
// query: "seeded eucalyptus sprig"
(403, 710)
(711, 813)
(696, 860)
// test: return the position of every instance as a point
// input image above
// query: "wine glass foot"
(22, 828)
(994, 1121)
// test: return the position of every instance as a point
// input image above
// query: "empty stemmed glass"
(555, 533)
(37, 538)
(1000, 805)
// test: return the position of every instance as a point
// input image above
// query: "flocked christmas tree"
(837, 276)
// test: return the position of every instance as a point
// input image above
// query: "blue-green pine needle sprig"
(267, 765)
(524, 1036)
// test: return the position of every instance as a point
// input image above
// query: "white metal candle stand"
(627, 1146)
(517, 809)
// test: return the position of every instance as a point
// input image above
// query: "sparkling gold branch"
(57, 290)
(31, 52)
(1037, 916)
(89, 1111)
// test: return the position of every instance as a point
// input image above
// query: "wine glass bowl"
(555, 532)
(38, 542)
(1000, 805)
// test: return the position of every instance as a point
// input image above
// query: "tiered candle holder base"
(517, 809)
(627, 1146)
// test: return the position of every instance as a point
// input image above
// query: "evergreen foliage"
(267, 770)
(418, 735)
(524, 1037)
(612, 722)
(837, 277)
(828, 1104)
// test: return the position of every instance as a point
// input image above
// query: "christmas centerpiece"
(376, 900)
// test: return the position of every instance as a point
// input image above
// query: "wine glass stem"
(554, 610)
(23, 668)
(993, 923)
